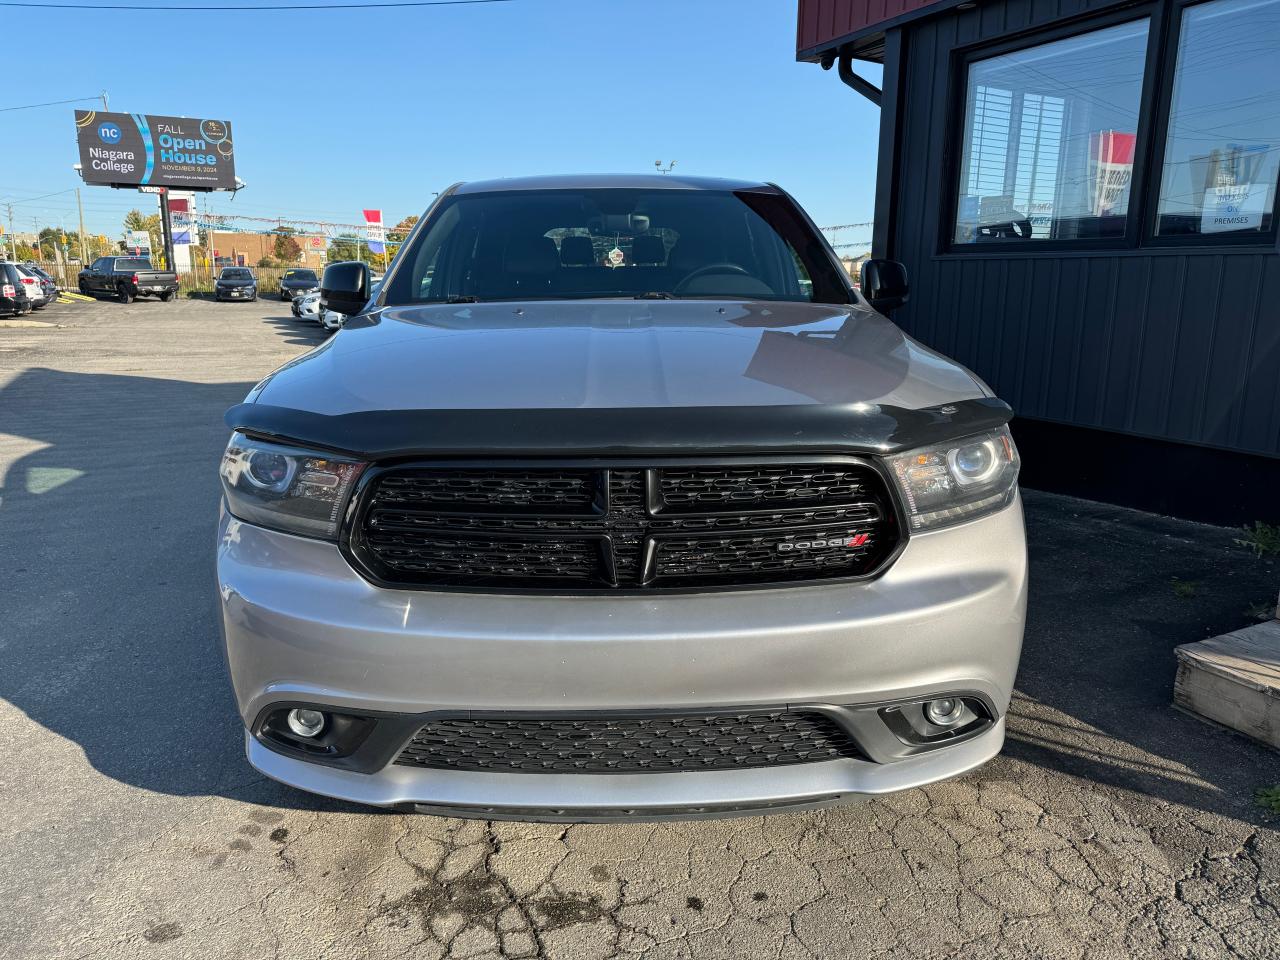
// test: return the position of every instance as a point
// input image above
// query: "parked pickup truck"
(126, 278)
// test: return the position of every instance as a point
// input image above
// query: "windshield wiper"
(656, 295)
(463, 299)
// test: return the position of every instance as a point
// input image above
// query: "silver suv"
(617, 500)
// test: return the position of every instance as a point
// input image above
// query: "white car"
(32, 284)
(308, 307)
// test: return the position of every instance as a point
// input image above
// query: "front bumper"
(301, 626)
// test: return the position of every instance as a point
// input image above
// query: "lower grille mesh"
(653, 744)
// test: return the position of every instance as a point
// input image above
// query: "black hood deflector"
(627, 431)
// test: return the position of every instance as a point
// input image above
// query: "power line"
(221, 7)
(54, 194)
(51, 103)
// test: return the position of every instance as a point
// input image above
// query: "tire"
(166, 296)
(84, 289)
(124, 294)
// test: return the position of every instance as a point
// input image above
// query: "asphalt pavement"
(1112, 825)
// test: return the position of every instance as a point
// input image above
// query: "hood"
(236, 282)
(610, 354)
(299, 282)
(623, 377)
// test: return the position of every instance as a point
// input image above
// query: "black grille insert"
(652, 744)
(636, 527)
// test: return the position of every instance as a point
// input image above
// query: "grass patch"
(1260, 611)
(1262, 538)
(1184, 588)
(1268, 798)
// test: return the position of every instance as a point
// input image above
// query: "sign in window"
(1222, 151)
(1049, 135)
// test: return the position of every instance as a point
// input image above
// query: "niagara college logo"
(857, 540)
(108, 132)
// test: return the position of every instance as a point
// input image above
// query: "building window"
(1222, 152)
(1049, 134)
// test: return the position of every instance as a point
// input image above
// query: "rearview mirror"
(884, 284)
(345, 287)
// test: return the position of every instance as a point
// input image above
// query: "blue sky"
(334, 111)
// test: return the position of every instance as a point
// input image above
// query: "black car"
(295, 283)
(235, 283)
(13, 296)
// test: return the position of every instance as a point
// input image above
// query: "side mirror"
(884, 284)
(345, 287)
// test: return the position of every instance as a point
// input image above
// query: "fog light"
(942, 713)
(305, 723)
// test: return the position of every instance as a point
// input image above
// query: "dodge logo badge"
(857, 540)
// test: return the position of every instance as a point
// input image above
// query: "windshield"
(237, 274)
(300, 274)
(581, 244)
(133, 263)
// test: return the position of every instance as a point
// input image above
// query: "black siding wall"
(1174, 344)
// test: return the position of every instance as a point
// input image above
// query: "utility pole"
(13, 240)
(84, 253)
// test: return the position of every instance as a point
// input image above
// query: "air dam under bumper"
(301, 626)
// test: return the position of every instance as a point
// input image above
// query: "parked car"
(235, 283)
(307, 307)
(630, 507)
(295, 283)
(35, 287)
(47, 283)
(331, 320)
(128, 278)
(14, 300)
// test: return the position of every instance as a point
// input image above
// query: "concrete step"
(1234, 680)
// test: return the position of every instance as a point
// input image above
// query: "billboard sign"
(134, 149)
(138, 240)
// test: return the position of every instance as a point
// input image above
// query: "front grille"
(699, 488)
(653, 744)
(629, 527)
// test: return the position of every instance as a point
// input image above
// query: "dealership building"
(1084, 196)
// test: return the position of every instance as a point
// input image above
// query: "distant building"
(853, 265)
(247, 249)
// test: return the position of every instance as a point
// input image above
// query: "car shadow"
(1113, 592)
(109, 632)
(298, 331)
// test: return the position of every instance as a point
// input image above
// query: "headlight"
(957, 481)
(287, 488)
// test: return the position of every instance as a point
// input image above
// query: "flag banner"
(377, 235)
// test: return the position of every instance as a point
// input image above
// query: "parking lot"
(1112, 825)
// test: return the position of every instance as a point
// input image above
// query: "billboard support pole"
(84, 256)
(166, 234)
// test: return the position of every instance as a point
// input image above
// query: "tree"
(401, 229)
(51, 237)
(287, 249)
(134, 220)
(342, 247)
